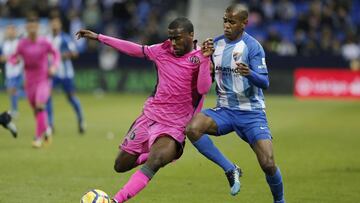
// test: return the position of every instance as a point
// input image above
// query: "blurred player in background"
(34, 51)
(13, 73)
(156, 137)
(240, 75)
(65, 74)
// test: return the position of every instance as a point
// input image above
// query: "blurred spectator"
(273, 40)
(286, 48)
(41, 7)
(142, 13)
(355, 65)
(312, 27)
(285, 10)
(350, 50)
(268, 9)
(91, 16)
(75, 24)
(14, 8)
(108, 57)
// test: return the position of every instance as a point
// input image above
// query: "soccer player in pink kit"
(34, 51)
(156, 137)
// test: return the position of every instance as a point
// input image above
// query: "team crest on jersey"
(194, 59)
(236, 56)
(131, 135)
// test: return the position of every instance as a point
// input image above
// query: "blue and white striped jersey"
(235, 91)
(9, 48)
(64, 43)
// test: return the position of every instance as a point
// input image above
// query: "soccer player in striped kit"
(157, 136)
(34, 51)
(13, 73)
(241, 75)
(64, 76)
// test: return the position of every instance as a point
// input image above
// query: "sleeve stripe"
(143, 51)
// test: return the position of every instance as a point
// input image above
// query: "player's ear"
(191, 34)
(246, 21)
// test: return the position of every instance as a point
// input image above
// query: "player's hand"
(244, 69)
(52, 71)
(207, 47)
(86, 34)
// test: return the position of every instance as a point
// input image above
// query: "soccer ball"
(95, 196)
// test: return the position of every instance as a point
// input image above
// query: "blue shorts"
(250, 126)
(67, 84)
(14, 82)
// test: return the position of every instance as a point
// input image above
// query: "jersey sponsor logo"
(194, 59)
(228, 70)
(263, 65)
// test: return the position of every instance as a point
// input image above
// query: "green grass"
(316, 145)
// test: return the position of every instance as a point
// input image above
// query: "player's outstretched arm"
(87, 34)
(204, 76)
(126, 47)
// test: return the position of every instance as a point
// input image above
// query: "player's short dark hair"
(182, 22)
(242, 9)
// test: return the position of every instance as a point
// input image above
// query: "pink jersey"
(182, 81)
(35, 56)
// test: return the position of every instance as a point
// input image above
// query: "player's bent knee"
(121, 168)
(192, 132)
(268, 165)
(122, 165)
(39, 108)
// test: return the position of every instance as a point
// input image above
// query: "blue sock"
(49, 109)
(14, 102)
(207, 148)
(21, 93)
(276, 186)
(75, 103)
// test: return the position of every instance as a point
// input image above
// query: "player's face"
(234, 25)
(181, 41)
(32, 28)
(56, 25)
(10, 32)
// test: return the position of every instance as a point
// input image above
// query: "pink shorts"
(38, 93)
(144, 132)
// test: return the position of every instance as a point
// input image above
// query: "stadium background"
(316, 141)
(293, 33)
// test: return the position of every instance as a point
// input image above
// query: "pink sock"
(41, 123)
(137, 182)
(142, 158)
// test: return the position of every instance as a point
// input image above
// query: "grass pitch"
(316, 146)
